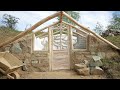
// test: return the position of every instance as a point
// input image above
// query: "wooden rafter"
(47, 27)
(30, 29)
(80, 34)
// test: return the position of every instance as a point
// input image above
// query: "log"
(87, 29)
(80, 34)
(61, 16)
(47, 27)
(30, 29)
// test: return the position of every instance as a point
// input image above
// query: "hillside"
(7, 34)
(112, 66)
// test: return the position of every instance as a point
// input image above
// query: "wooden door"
(60, 49)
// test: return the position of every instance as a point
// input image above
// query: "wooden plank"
(88, 30)
(30, 29)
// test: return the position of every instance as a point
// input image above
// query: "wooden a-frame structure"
(61, 14)
(68, 29)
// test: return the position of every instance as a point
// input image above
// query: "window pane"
(41, 41)
(79, 40)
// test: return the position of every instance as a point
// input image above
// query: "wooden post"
(70, 47)
(32, 43)
(88, 42)
(50, 49)
(60, 36)
(30, 29)
(61, 16)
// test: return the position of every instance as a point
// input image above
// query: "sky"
(87, 18)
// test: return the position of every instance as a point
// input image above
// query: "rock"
(101, 54)
(86, 62)
(95, 63)
(16, 48)
(96, 71)
(7, 48)
(84, 71)
(26, 61)
(28, 55)
(24, 47)
(20, 56)
(80, 66)
(24, 68)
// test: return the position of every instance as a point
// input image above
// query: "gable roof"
(61, 14)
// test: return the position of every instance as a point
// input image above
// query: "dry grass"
(7, 34)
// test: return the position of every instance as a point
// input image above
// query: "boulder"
(16, 48)
(24, 68)
(96, 71)
(95, 61)
(86, 62)
(101, 54)
(26, 61)
(7, 48)
(80, 66)
(84, 71)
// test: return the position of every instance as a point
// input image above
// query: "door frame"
(69, 50)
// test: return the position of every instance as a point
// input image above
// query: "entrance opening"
(60, 46)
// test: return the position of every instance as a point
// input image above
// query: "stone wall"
(96, 47)
(39, 61)
(22, 49)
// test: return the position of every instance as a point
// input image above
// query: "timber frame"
(80, 28)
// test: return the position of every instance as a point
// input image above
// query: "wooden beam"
(47, 27)
(42, 34)
(74, 27)
(80, 34)
(87, 29)
(30, 29)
